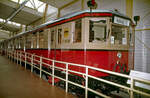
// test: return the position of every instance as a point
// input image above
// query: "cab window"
(97, 30)
(118, 35)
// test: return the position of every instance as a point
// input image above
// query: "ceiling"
(57, 3)
(4, 34)
(10, 27)
(25, 16)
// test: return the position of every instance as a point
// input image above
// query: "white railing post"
(17, 57)
(67, 77)
(86, 83)
(32, 56)
(53, 63)
(11, 56)
(14, 55)
(20, 57)
(8, 56)
(6, 53)
(25, 60)
(40, 66)
(131, 86)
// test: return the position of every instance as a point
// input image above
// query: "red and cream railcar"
(101, 38)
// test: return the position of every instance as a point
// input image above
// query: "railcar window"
(59, 36)
(119, 34)
(66, 35)
(18, 41)
(28, 41)
(21, 42)
(34, 39)
(97, 31)
(77, 33)
(43, 39)
(131, 39)
(52, 37)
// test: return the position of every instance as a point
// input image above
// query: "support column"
(45, 13)
(82, 4)
(129, 8)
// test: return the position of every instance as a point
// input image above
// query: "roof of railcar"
(73, 15)
(85, 11)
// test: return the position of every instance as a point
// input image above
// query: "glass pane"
(41, 39)
(22, 43)
(97, 31)
(77, 34)
(59, 36)
(28, 41)
(66, 35)
(34, 39)
(119, 34)
(52, 37)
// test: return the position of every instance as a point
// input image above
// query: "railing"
(35, 60)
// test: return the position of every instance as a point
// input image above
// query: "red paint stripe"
(74, 18)
(81, 16)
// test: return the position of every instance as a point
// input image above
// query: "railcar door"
(97, 41)
(52, 43)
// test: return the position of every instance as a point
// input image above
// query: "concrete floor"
(16, 82)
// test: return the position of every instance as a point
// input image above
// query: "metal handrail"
(28, 56)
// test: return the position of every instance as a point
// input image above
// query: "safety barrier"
(34, 60)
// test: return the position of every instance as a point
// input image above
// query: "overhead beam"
(15, 13)
(45, 13)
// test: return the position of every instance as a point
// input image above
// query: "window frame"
(126, 34)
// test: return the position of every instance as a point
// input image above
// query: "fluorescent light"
(1, 20)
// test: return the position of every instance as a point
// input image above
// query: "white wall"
(142, 40)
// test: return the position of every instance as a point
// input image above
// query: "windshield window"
(97, 31)
(118, 35)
